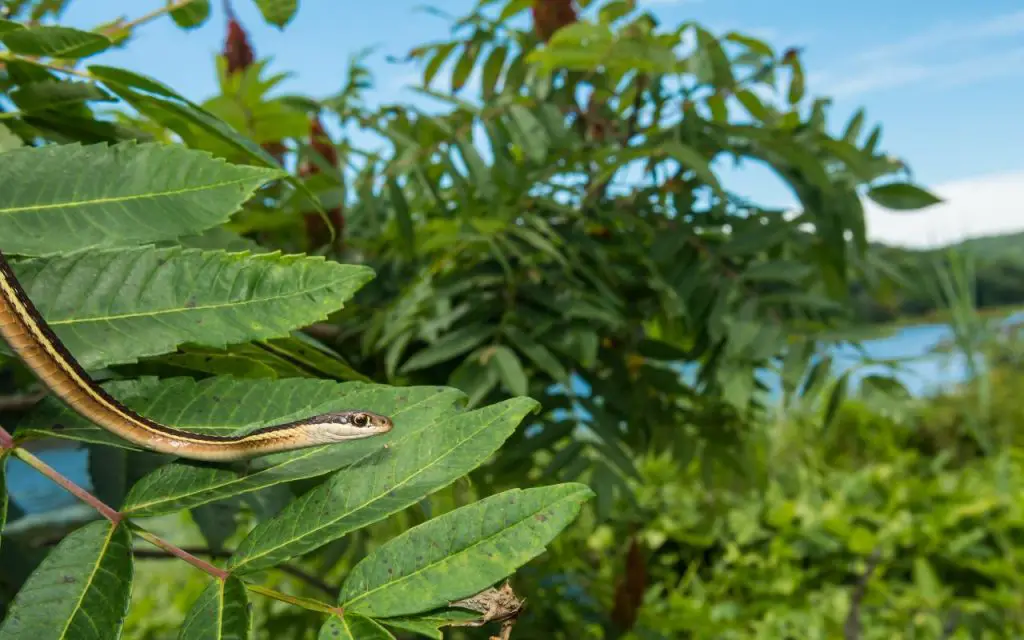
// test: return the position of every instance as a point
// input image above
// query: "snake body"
(32, 339)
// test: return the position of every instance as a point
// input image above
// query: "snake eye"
(360, 420)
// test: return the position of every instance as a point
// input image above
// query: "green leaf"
(52, 94)
(449, 346)
(537, 353)
(278, 12)
(441, 54)
(216, 238)
(114, 75)
(413, 466)
(221, 612)
(691, 159)
(189, 119)
(403, 217)
(217, 521)
(191, 15)
(8, 140)
(780, 270)
(114, 307)
(755, 106)
(492, 69)
(510, 370)
(464, 66)
(430, 624)
(902, 196)
(836, 398)
(226, 403)
(461, 552)
(108, 473)
(474, 378)
(123, 195)
(306, 353)
(513, 8)
(80, 591)
(10, 25)
(853, 128)
(353, 627)
(55, 42)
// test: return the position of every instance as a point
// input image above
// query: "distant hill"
(998, 266)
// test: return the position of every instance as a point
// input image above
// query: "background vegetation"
(555, 228)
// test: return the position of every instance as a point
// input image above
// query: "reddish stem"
(178, 552)
(6, 441)
(111, 514)
(70, 487)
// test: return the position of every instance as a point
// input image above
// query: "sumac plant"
(120, 245)
(555, 233)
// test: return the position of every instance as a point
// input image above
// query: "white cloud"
(946, 53)
(979, 206)
(1005, 63)
(948, 34)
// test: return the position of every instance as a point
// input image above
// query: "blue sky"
(944, 78)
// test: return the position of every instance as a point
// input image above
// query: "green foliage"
(560, 230)
(166, 327)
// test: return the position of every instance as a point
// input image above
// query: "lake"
(921, 373)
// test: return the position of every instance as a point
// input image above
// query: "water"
(921, 373)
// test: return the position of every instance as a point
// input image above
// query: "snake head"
(348, 425)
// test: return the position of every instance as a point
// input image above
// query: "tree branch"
(153, 15)
(851, 629)
(197, 551)
(72, 488)
(21, 401)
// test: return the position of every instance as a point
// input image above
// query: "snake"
(33, 340)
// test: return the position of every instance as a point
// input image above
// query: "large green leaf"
(353, 627)
(80, 591)
(55, 42)
(410, 468)
(461, 552)
(119, 195)
(221, 612)
(116, 306)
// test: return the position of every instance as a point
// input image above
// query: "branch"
(202, 565)
(69, 486)
(197, 551)
(851, 629)
(21, 401)
(949, 627)
(152, 15)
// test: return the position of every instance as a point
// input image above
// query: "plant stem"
(198, 563)
(284, 568)
(72, 488)
(154, 14)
